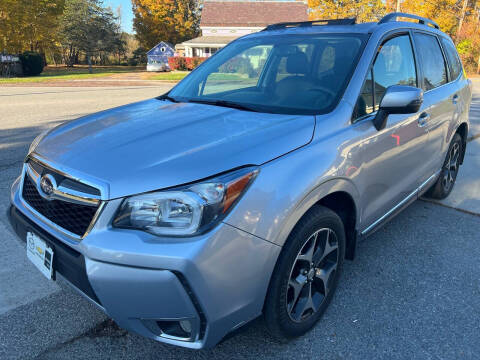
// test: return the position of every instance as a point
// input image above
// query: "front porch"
(205, 46)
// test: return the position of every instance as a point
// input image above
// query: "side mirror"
(398, 99)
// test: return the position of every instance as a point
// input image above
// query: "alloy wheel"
(450, 168)
(312, 275)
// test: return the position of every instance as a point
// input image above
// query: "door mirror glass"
(398, 99)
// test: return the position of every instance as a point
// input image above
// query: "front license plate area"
(40, 254)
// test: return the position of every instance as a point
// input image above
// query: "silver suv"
(242, 190)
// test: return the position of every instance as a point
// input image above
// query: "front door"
(393, 158)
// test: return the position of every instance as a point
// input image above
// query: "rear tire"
(445, 182)
(306, 275)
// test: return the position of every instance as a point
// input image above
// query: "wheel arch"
(338, 195)
(343, 205)
(462, 130)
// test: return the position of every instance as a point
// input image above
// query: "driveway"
(412, 292)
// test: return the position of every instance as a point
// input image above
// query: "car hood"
(156, 144)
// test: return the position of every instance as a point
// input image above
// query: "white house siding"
(224, 21)
(229, 31)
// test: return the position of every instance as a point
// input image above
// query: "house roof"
(155, 49)
(210, 40)
(249, 13)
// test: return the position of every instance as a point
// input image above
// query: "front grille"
(75, 218)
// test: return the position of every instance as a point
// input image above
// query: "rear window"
(432, 61)
(453, 59)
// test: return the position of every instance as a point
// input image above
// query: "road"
(412, 292)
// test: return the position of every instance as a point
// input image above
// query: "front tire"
(306, 275)
(445, 182)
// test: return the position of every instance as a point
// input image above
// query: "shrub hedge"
(184, 63)
(32, 63)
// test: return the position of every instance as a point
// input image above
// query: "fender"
(326, 188)
(295, 193)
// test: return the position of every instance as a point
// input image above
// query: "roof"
(210, 40)
(155, 49)
(252, 14)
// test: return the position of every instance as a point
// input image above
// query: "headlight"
(187, 210)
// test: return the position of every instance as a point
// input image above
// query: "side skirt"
(400, 206)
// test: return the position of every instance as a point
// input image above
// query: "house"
(179, 50)
(224, 21)
(157, 57)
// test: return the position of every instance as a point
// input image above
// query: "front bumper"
(217, 281)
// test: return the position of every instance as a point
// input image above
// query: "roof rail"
(395, 15)
(284, 25)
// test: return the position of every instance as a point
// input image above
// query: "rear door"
(438, 101)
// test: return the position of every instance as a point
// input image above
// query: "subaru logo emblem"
(47, 185)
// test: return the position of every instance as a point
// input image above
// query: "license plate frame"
(40, 254)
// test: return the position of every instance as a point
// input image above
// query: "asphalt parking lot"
(413, 292)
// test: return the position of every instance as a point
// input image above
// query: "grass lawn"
(77, 72)
(171, 76)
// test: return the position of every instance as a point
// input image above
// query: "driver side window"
(394, 65)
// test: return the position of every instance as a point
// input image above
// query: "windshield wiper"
(223, 103)
(167, 97)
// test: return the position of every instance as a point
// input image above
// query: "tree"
(459, 19)
(29, 24)
(140, 55)
(131, 44)
(87, 26)
(363, 10)
(165, 20)
(468, 39)
(444, 12)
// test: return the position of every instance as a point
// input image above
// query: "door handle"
(455, 99)
(423, 119)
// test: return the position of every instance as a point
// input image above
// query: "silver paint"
(156, 144)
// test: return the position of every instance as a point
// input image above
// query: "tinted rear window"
(452, 56)
(432, 61)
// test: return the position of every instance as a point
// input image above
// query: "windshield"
(294, 74)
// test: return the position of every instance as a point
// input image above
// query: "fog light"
(186, 326)
(177, 329)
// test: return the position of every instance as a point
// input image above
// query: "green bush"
(32, 63)
(132, 62)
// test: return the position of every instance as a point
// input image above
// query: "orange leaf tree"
(444, 12)
(165, 20)
(363, 10)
